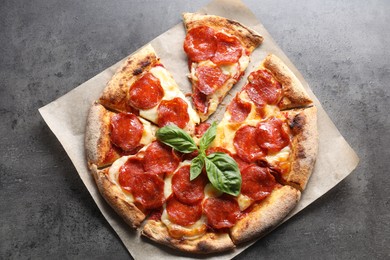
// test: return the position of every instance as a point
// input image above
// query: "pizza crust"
(116, 199)
(115, 93)
(294, 94)
(208, 243)
(249, 38)
(303, 124)
(266, 215)
(97, 136)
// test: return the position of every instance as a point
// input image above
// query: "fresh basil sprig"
(197, 165)
(208, 137)
(222, 170)
(176, 138)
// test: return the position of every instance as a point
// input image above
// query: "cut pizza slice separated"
(143, 86)
(111, 135)
(218, 51)
(134, 185)
(272, 122)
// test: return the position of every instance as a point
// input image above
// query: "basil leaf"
(208, 137)
(176, 138)
(223, 173)
(197, 165)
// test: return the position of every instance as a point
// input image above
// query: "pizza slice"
(198, 218)
(110, 135)
(143, 86)
(183, 223)
(265, 215)
(134, 185)
(256, 129)
(218, 51)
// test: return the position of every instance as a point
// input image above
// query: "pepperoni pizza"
(200, 187)
(218, 51)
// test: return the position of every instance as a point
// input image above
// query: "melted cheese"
(230, 69)
(281, 156)
(168, 186)
(150, 114)
(244, 202)
(211, 192)
(149, 133)
(171, 91)
(190, 232)
(244, 61)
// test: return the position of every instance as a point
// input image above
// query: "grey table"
(47, 48)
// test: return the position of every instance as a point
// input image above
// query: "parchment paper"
(67, 115)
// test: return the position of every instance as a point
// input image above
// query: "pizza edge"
(97, 137)
(294, 93)
(128, 211)
(209, 242)
(250, 38)
(303, 123)
(115, 92)
(266, 215)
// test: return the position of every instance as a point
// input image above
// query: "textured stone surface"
(48, 48)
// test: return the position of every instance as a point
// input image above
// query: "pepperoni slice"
(173, 111)
(246, 146)
(210, 79)
(271, 135)
(148, 190)
(126, 131)
(239, 110)
(182, 214)
(146, 92)
(200, 101)
(263, 88)
(257, 182)
(186, 191)
(221, 212)
(201, 129)
(241, 163)
(200, 43)
(127, 171)
(229, 49)
(159, 159)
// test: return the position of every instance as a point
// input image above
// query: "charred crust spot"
(142, 65)
(203, 246)
(127, 65)
(137, 72)
(297, 123)
(301, 153)
(233, 22)
(145, 62)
